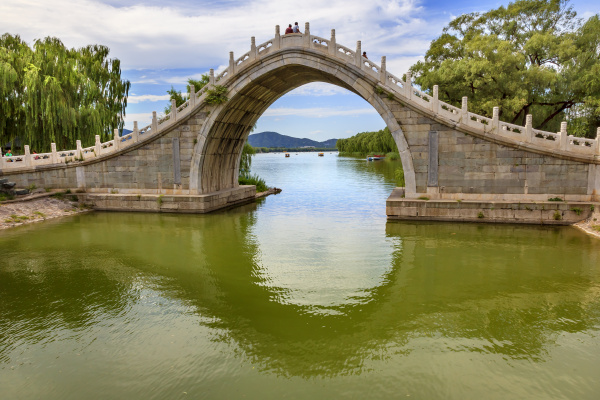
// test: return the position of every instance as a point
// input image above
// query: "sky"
(162, 44)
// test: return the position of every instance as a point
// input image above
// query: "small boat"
(375, 157)
(321, 154)
(287, 154)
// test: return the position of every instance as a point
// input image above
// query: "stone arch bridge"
(190, 158)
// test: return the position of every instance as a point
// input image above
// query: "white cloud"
(316, 112)
(319, 89)
(133, 99)
(195, 36)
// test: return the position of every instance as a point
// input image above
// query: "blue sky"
(161, 44)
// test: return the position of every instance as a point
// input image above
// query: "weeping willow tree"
(50, 93)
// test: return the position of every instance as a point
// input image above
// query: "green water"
(307, 294)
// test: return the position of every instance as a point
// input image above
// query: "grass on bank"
(260, 183)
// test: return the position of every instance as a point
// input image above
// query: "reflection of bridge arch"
(446, 152)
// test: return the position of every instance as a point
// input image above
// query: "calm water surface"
(307, 294)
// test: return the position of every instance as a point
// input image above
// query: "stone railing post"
(598, 141)
(211, 77)
(496, 119)
(117, 140)
(383, 71)
(173, 110)
(435, 103)
(408, 85)
(465, 110)
(54, 156)
(27, 158)
(231, 64)
(253, 54)
(332, 44)
(358, 55)
(154, 122)
(277, 40)
(192, 98)
(2, 161)
(306, 38)
(564, 138)
(135, 135)
(78, 151)
(98, 146)
(528, 127)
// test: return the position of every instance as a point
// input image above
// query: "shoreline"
(37, 208)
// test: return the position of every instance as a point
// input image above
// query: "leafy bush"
(260, 183)
(392, 156)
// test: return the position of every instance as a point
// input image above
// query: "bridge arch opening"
(215, 162)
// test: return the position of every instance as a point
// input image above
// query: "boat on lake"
(287, 154)
(321, 154)
(375, 157)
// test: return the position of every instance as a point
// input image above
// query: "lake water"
(307, 294)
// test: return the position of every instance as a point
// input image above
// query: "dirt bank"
(36, 208)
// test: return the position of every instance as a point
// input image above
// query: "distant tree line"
(363, 143)
(49, 93)
(291, 149)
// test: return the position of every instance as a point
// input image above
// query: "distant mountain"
(274, 139)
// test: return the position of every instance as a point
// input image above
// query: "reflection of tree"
(497, 287)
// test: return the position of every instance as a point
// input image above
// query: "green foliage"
(159, 200)
(555, 199)
(180, 98)
(392, 156)
(50, 93)
(399, 175)
(246, 160)
(217, 95)
(424, 198)
(260, 184)
(530, 57)
(480, 215)
(577, 210)
(557, 215)
(368, 142)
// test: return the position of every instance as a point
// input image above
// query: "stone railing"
(388, 82)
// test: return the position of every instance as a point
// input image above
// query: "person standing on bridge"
(365, 55)
(289, 29)
(296, 28)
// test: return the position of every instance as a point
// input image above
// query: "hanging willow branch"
(49, 93)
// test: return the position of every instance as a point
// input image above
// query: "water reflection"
(503, 290)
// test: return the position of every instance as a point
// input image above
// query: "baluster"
(408, 85)
(598, 141)
(54, 156)
(154, 122)
(564, 138)
(332, 44)
(211, 77)
(253, 53)
(383, 71)
(231, 64)
(465, 110)
(358, 55)
(98, 145)
(277, 40)
(135, 135)
(528, 127)
(496, 120)
(27, 157)
(78, 151)
(306, 35)
(117, 140)
(173, 110)
(435, 103)
(192, 98)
